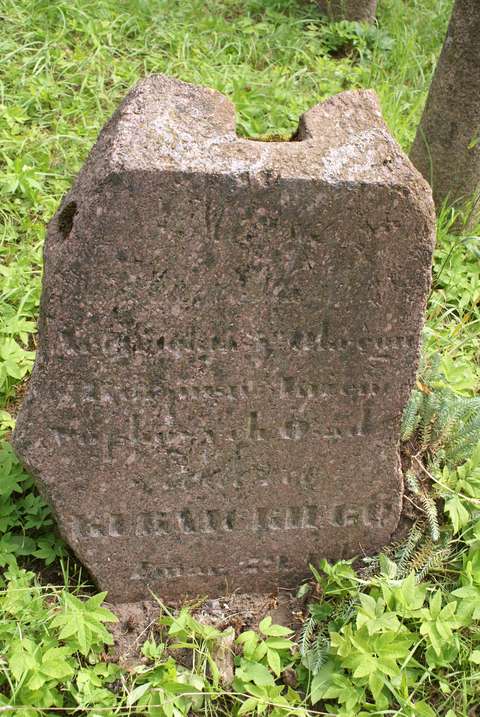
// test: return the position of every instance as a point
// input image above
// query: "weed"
(399, 636)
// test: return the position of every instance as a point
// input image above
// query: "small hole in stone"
(65, 220)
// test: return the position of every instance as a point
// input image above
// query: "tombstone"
(348, 9)
(229, 331)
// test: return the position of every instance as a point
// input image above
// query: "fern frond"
(443, 421)
(411, 416)
(427, 408)
(467, 436)
(346, 610)
(460, 453)
(406, 550)
(427, 419)
(412, 483)
(430, 368)
(307, 634)
(430, 508)
(435, 561)
(313, 644)
(428, 557)
(421, 557)
(463, 410)
(446, 420)
(372, 564)
(318, 653)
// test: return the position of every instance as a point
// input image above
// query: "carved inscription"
(148, 340)
(291, 387)
(287, 388)
(241, 478)
(165, 397)
(251, 566)
(374, 512)
(136, 440)
(204, 393)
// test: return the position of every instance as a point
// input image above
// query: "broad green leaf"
(459, 515)
(274, 662)
(250, 705)
(249, 640)
(53, 665)
(322, 681)
(136, 693)
(279, 643)
(268, 629)
(254, 672)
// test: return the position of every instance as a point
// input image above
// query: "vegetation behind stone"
(397, 634)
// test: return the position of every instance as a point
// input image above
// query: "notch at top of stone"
(168, 124)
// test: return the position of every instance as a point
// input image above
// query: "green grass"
(65, 67)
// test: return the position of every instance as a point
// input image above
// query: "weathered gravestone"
(349, 9)
(229, 332)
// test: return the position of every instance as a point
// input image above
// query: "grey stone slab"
(229, 332)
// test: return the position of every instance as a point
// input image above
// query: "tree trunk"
(447, 146)
(349, 9)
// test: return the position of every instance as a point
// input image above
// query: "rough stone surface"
(447, 145)
(349, 9)
(229, 332)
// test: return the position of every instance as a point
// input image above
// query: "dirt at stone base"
(139, 621)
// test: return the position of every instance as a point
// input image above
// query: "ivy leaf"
(376, 682)
(22, 658)
(368, 666)
(439, 623)
(250, 705)
(346, 692)
(469, 601)
(273, 659)
(422, 709)
(372, 615)
(11, 471)
(137, 692)
(254, 672)
(268, 629)
(249, 640)
(406, 598)
(36, 681)
(459, 515)
(54, 663)
(278, 643)
(81, 622)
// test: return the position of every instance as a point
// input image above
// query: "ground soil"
(139, 621)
